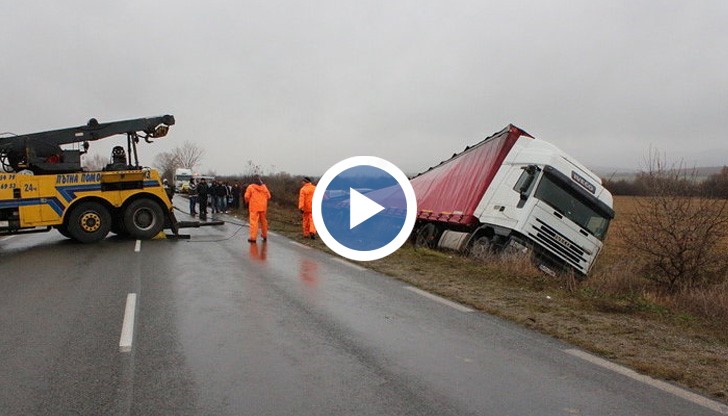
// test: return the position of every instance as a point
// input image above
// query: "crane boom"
(41, 152)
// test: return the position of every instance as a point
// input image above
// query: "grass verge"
(613, 313)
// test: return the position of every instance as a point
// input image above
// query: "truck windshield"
(572, 205)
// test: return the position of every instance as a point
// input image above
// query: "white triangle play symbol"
(361, 208)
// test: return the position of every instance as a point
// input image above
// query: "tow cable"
(198, 224)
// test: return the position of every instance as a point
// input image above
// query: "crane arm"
(33, 151)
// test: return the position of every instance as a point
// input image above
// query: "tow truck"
(43, 186)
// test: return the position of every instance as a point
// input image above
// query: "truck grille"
(564, 247)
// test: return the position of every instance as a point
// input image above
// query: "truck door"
(27, 194)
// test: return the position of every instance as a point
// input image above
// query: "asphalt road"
(222, 327)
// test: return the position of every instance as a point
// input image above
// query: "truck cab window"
(573, 205)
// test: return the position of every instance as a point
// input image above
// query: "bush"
(679, 234)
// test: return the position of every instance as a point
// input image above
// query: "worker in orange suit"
(305, 204)
(256, 197)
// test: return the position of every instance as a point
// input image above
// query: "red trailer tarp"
(450, 191)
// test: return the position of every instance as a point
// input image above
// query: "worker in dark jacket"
(202, 193)
(168, 189)
(192, 192)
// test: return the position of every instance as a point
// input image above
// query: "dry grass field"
(681, 338)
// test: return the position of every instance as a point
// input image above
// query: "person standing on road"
(202, 193)
(168, 189)
(236, 190)
(214, 191)
(256, 197)
(192, 193)
(305, 205)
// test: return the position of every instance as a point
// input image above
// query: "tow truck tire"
(117, 226)
(88, 222)
(63, 230)
(143, 219)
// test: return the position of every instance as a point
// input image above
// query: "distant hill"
(617, 174)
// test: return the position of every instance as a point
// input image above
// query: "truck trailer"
(513, 191)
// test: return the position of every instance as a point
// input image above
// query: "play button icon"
(361, 208)
(364, 208)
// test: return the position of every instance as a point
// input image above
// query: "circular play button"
(364, 208)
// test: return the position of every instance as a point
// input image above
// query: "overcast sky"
(297, 86)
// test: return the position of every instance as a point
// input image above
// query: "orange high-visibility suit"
(305, 203)
(257, 196)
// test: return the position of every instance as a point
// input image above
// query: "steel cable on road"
(239, 225)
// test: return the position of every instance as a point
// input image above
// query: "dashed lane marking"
(127, 328)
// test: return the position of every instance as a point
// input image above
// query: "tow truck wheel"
(63, 230)
(89, 222)
(143, 219)
(117, 226)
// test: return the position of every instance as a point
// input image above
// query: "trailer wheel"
(88, 222)
(427, 236)
(143, 219)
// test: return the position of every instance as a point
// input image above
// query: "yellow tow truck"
(43, 186)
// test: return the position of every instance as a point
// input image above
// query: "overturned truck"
(512, 191)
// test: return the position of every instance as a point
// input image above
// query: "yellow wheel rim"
(90, 222)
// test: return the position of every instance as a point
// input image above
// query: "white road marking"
(666, 387)
(350, 264)
(138, 246)
(127, 328)
(8, 237)
(438, 299)
(299, 244)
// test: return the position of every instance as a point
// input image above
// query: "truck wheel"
(143, 219)
(480, 247)
(88, 222)
(63, 230)
(117, 226)
(427, 236)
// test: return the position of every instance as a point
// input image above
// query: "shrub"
(679, 234)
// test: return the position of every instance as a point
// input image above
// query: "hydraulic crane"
(44, 186)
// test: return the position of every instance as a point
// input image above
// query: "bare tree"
(188, 155)
(166, 163)
(679, 233)
(253, 169)
(95, 162)
(717, 184)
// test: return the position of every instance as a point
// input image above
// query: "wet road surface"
(222, 327)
